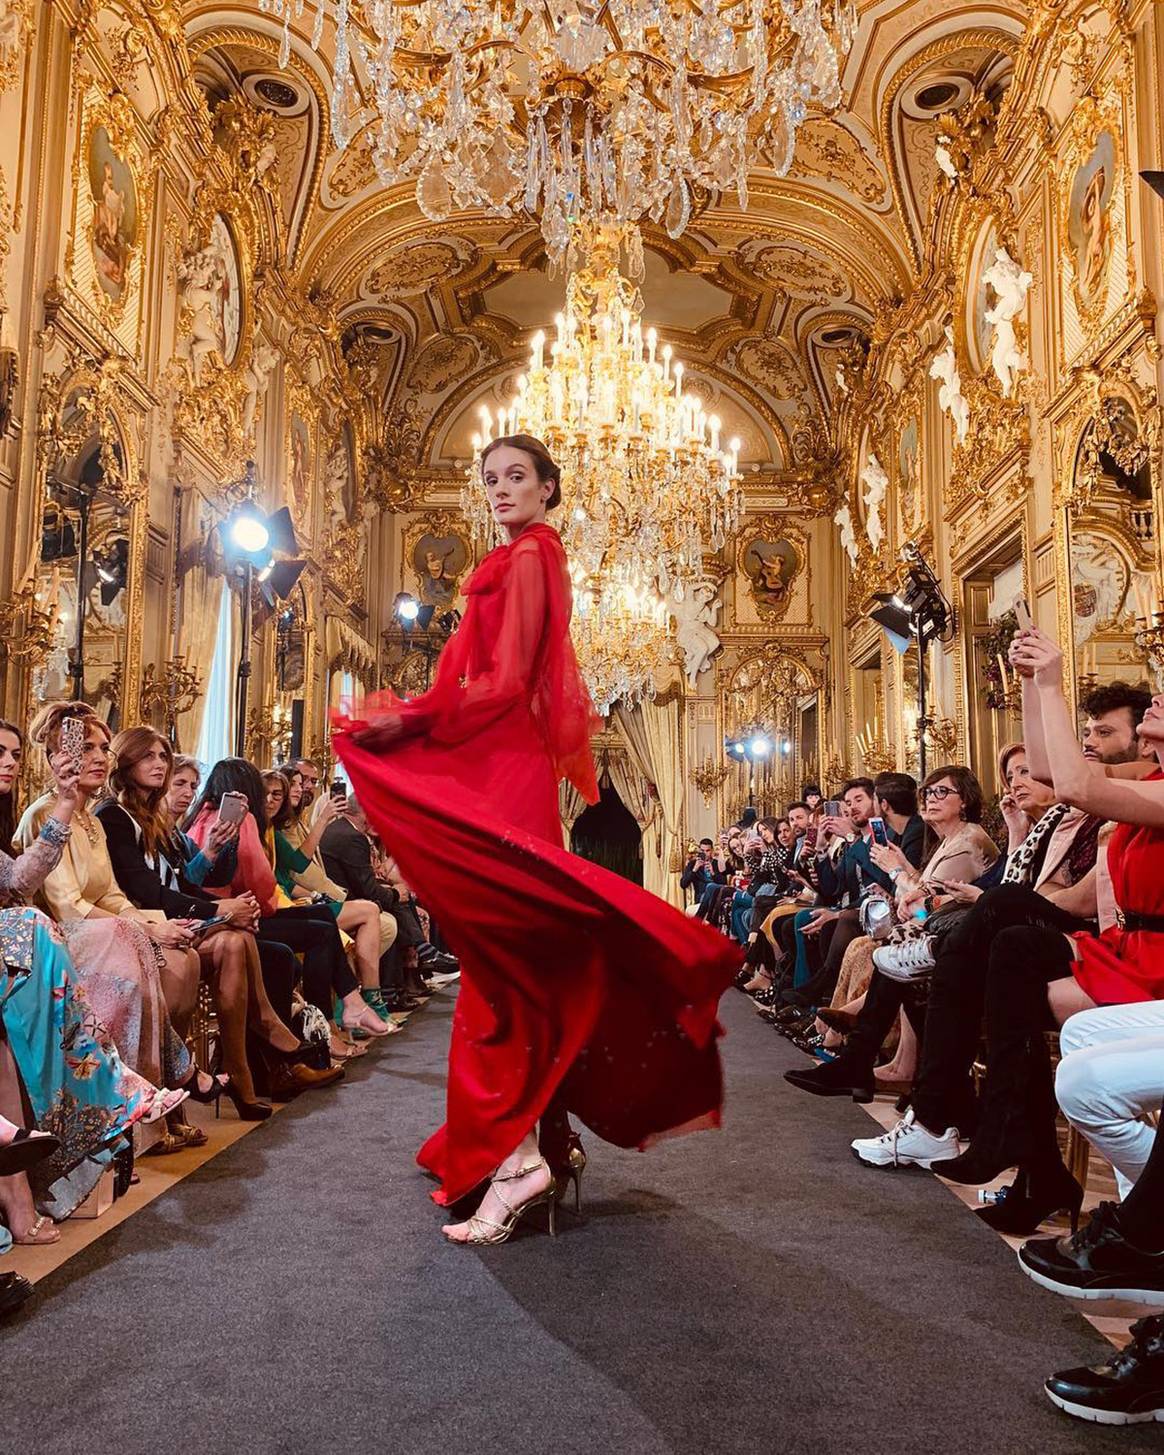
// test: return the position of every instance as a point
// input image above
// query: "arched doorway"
(606, 833)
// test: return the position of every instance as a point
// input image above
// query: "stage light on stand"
(252, 541)
(918, 613)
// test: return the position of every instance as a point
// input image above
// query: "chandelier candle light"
(578, 109)
(645, 481)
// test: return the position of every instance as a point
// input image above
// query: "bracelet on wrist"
(56, 833)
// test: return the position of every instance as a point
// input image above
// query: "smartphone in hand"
(879, 831)
(1022, 613)
(74, 731)
(232, 808)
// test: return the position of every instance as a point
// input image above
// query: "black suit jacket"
(347, 857)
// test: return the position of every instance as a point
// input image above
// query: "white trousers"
(1111, 1076)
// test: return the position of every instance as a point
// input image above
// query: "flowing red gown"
(577, 985)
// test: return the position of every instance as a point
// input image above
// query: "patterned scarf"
(1020, 865)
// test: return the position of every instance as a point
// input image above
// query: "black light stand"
(243, 676)
(919, 613)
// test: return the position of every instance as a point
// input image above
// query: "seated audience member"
(359, 918)
(1047, 876)
(1038, 975)
(952, 803)
(697, 872)
(727, 861)
(149, 861)
(347, 857)
(55, 1056)
(135, 967)
(1119, 1254)
(843, 882)
(307, 929)
(1111, 1079)
(767, 880)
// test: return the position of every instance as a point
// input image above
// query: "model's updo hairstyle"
(544, 463)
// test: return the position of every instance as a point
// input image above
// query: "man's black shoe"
(14, 1291)
(1097, 1262)
(438, 963)
(1128, 1390)
(834, 1078)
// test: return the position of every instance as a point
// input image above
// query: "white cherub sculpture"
(203, 279)
(943, 157)
(264, 357)
(876, 483)
(695, 619)
(950, 398)
(844, 519)
(1011, 286)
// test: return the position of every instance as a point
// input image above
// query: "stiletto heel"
(485, 1230)
(571, 1170)
(247, 1111)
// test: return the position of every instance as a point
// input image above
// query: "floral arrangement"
(996, 644)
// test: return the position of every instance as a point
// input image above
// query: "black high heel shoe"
(1031, 1199)
(213, 1092)
(248, 1111)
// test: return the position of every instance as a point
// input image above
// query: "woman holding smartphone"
(150, 867)
(56, 1058)
(308, 928)
(137, 969)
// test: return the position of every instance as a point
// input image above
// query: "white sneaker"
(908, 960)
(908, 1144)
(444, 978)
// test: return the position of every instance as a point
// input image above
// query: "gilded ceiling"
(762, 306)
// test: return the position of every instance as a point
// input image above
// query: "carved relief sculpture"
(844, 520)
(876, 483)
(1011, 286)
(695, 620)
(950, 398)
(263, 359)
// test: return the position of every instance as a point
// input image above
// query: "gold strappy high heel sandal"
(485, 1230)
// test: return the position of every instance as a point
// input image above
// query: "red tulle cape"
(576, 984)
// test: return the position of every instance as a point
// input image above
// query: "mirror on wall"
(1111, 545)
(84, 569)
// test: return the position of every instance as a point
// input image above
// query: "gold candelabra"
(709, 777)
(877, 752)
(836, 771)
(170, 690)
(1149, 639)
(27, 626)
(940, 734)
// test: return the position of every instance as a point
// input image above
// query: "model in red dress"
(579, 989)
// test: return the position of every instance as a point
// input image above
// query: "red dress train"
(576, 985)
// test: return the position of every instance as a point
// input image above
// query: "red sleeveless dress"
(1122, 966)
(576, 984)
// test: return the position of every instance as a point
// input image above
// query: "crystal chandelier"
(645, 484)
(596, 109)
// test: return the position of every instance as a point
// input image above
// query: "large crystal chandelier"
(596, 109)
(646, 486)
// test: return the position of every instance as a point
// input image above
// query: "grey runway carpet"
(752, 1290)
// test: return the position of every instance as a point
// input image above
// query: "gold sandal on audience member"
(33, 1239)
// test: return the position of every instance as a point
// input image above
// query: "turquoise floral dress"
(76, 1083)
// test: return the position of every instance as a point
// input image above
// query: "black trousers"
(949, 1020)
(834, 940)
(310, 930)
(280, 972)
